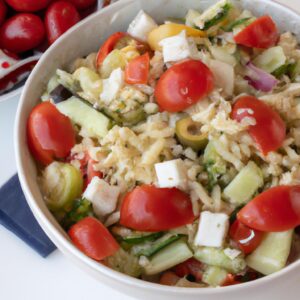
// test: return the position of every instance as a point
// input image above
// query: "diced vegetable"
(114, 60)
(216, 257)
(84, 115)
(244, 185)
(142, 238)
(272, 254)
(190, 267)
(59, 94)
(222, 54)
(66, 79)
(236, 23)
(169, 257)
(62, 184)
(189, 135)
(271, 59)
(191, 17)
(215, 276)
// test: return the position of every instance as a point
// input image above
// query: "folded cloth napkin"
(16, 216)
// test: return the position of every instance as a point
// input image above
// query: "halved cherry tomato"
(262, 33)
(108, 46)
(169, 278)
(3, 11)
(190, 267)
(246, 238)
(231, 280)
(270, 130)
(50, 134)
(60, 17)
(91, 173)
(93, 238)
(22, 32)
(137, 71)
(183, 85)
(148, 208)
(82, 4)
(275, 210)
(28, 5)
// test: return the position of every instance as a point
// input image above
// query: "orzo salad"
(172, 155)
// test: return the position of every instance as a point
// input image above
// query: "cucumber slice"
(216, 257)
(114, 60)
(191, 16)
(169, 257)
(214, 276)
(139, 239)
(96, 124)
(244, 185)
(271, 59)
(272, 254)
(62, 184)
(236, 23)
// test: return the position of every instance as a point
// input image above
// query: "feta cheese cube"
(141, 26)
(171, 173)
(112, 86)
(103, 196)
(213, 229)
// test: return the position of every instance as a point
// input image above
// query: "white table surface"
(23, 273)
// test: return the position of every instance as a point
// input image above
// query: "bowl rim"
(64, 244)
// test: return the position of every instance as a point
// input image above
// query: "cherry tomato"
(262, 33)
(50, 134)
(231, 280)
(190, 267)
(3, 11)
(269, 131)
(22, 32)
(148, 208)
(275, 210)
(93, 239)
(91, 173)
(169, 278)
(183, 85)
(137, 71)
(108, 46)
(60, 17)
(28, 5)
(82, 4)
(246, 238)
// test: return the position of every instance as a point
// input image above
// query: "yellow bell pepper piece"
(168, 30)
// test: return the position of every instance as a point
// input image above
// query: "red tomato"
(60, 17)
(108, 46)
(28, 5)
(93, 239)
(3, 11)
(169, 278)
(262, 33)
(82, 4)
(22, 32)
(183, 85)
(246, 238)
(137, 71)
(91, 173)
(190, 267)
(269, 131)
(50, 134)
(277, 209)
(230, 280)
(148, 208)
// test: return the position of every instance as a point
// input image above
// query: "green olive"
(189, 134)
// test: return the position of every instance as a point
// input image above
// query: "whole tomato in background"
(28, 5)
(60, 16)
(22, 32)
(3, 11)
(82, 4)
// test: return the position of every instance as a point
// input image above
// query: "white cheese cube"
(176, 48)
(171, 173)
(103, 196)
(112, 86)
(213, 229)
(141, 26)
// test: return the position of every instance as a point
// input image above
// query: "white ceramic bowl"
(82, 40)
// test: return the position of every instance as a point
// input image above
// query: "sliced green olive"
(189, 134)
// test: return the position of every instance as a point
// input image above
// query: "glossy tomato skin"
(183, 85)
(275, 210)
(108, 46)
(82, 4)
(262, 33)
(60, 17)
(3, 11)
(28, 5)
(269, 132)
(93, 238)
(91, 173)
(148, 208)
(246, 238)
(22, 32)
(50, 134)
(137, 70)
(190, 267)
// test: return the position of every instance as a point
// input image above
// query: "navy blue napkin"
(17, 217)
